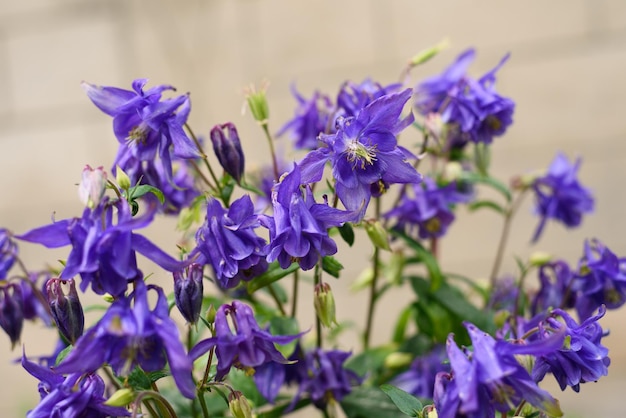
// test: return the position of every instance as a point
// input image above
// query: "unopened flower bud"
(425, 55)
(8, 253)
(66, 309)
(210, 314)
(397, 360)
(121, 397)
(324, 303)
(378, 234)
(188, 290)
(11, 313)
(539, 258)
(92, 186)
(239, 405)
(228, 150)
(122, 178)
(257, 102)
(452, 171)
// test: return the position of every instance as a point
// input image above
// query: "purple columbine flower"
(560, 196)
(471, 108)
(504, 295)
(8, 252)
(299, 227)
(188, 289)
(323, 376)
(145, 125)
(11, 313)
(310, 120)
(600, 280)
(429, 209)
(243, 345)
(228, 243)
(364, 152)
(489, 378)
(353, 97)
(419, 380)
(75, 395)
(130, 334)
(227, 148)
(581, 359)
(103, 252)
(556, 290)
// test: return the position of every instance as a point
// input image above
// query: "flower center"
(359, 153)
(138, 134)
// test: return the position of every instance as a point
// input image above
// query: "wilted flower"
(76, 395)
(188, 288)
(129, 336)
(560, 196)
(581, 359)
(227, 148)
(66, 309)
(364, 152)
(228, 243)
(243, 345)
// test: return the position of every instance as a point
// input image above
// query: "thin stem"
(270, 141)
(519, 408)
(294, 296)
(161, 401)
(203, 405)
(373, 287)
(112, 378)
(317, 275)
(194, 409)
(279, 304)
(508, 217)
(202, 176)
(202, 154)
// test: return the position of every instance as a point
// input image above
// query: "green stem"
(508, 217)
(279, 304)
(373, 287)
(163, 404)
(202, 176)
(270, 141)
(194, 409)
(203, 155)
(317, 275)
(294, 296)
(203, 405)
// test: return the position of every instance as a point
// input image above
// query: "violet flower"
(299, 227)
(353, 97)
(188, 292)
(130, 334)
(364, 152)
(310, 120)
(600, 280)
(145, 125)
(103, 252)
(489, 378)
(8, 252)
(11, 312)
(582, 358)
(75, 395)
(419, 380)
(556, 289)
(228, 243)
(560, 196)
(243, 345)
(66, 309)
(227, 148)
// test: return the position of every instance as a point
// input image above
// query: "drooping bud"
(11, 315)
(239, 405)
(66, 309)
(8, 253)
(324, 303)
(228, 150)
(121, 397)
(188, 290)
(92, 186)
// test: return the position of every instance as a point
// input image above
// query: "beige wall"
(566, 75)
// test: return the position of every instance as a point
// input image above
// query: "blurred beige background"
(566, 74)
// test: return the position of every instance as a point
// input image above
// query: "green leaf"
(495, 184)
(347, 233)
(364, 402)
(251, 188)
(331, 266)
(138, 191)
(61, 356)
(285, 325)
(369, 360)
(274, 272)
(407, 403)
(426, 257)
(490, 204)
(245, 384)
(399, 330)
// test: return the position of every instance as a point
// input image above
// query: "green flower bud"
(257, 102)
(539, 258)
(324, 303)
(122, 397)
(394, 268)
(378, 234)
(210, 314)
(426, 54)
(397, 360)
(239, 405)
(122, 178)
(363, 280)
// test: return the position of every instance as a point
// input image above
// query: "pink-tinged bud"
(228, 150)
(188, 290)
(66, 309)
(92, 186)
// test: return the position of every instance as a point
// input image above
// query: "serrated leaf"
(365, 402)
(406, 403)
(274, 272)
(331, 266)
(347, 233)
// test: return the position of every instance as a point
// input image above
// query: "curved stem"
(373, 287)
(148, 394)
(270, 141)
(202, 155)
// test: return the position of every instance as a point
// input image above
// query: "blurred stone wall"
(566, 74)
